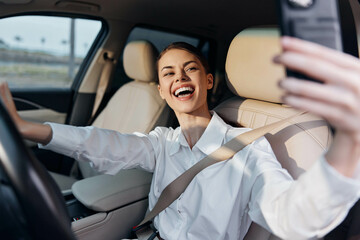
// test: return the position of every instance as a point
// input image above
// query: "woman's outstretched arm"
(36, 132)
(108, 151)
(337, 98)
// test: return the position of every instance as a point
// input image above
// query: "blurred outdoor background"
(44, 51)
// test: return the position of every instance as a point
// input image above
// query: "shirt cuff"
(340, 182)
(61, 141)
(342, 192)
(44, 146)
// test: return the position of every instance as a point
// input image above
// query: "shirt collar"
(211, 139)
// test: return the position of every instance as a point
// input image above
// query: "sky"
(55, 32)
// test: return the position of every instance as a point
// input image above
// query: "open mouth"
(184, 91)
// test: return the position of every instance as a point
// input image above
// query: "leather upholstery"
(251, 74)
(249, 69)
(139, 61)
(310, 132)
(64, 182)
(297, 146)
(136, 106)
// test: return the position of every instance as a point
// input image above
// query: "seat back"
(137, 105)
(252, 75)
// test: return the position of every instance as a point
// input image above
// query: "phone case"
(312, 20)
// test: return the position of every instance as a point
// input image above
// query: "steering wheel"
(31, 204)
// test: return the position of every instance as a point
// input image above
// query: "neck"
(193, 125)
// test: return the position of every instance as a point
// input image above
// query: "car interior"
(137, 103)
(258, 103)
(239, 39)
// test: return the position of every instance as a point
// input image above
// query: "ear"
(210, 81)
(160, 92)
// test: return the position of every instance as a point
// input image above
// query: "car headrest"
(139, 61)
(250, 71)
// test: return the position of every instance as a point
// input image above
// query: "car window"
(44, 51)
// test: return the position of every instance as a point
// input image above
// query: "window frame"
(99, 39)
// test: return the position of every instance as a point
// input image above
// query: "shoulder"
(167, 133)
(231, 131)
(261, 144)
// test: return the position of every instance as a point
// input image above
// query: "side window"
(44, 51)
(160, 39)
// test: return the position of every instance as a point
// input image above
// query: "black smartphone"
(312, 20)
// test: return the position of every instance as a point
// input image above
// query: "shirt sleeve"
(309, 207)
(107, 151)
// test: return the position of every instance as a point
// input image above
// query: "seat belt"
(103, 83)
(227, 151)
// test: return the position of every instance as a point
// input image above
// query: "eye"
(190, 69)
(168, 74)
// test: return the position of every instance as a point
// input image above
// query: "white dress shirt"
(223, 199)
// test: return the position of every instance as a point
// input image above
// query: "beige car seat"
(135, 107)
(252, 75)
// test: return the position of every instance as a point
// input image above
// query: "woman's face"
(183, 81)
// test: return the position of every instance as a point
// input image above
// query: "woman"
(224, 198)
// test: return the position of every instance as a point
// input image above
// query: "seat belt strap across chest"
(227, 151)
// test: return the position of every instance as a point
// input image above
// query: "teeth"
(177, 92)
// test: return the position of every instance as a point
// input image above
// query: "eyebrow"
(185, 64)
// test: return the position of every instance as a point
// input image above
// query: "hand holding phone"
(312, 20)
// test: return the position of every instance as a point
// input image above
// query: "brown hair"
(186, 47)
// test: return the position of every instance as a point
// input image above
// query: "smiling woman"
(258, 181)
(307, 200)
(184, 85)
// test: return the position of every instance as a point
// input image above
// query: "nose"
(181, 76)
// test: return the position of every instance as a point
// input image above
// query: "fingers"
(340, 118)
(4, 92)
(321, 63)
(325, 93)
(3, 87)
(339, 105)
(320, 69)
(338, 98)
(8, 101)
(321, 52)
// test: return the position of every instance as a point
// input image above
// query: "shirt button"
(179, 211)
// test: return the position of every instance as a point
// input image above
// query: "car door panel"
(43, 115)
(45, 105)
